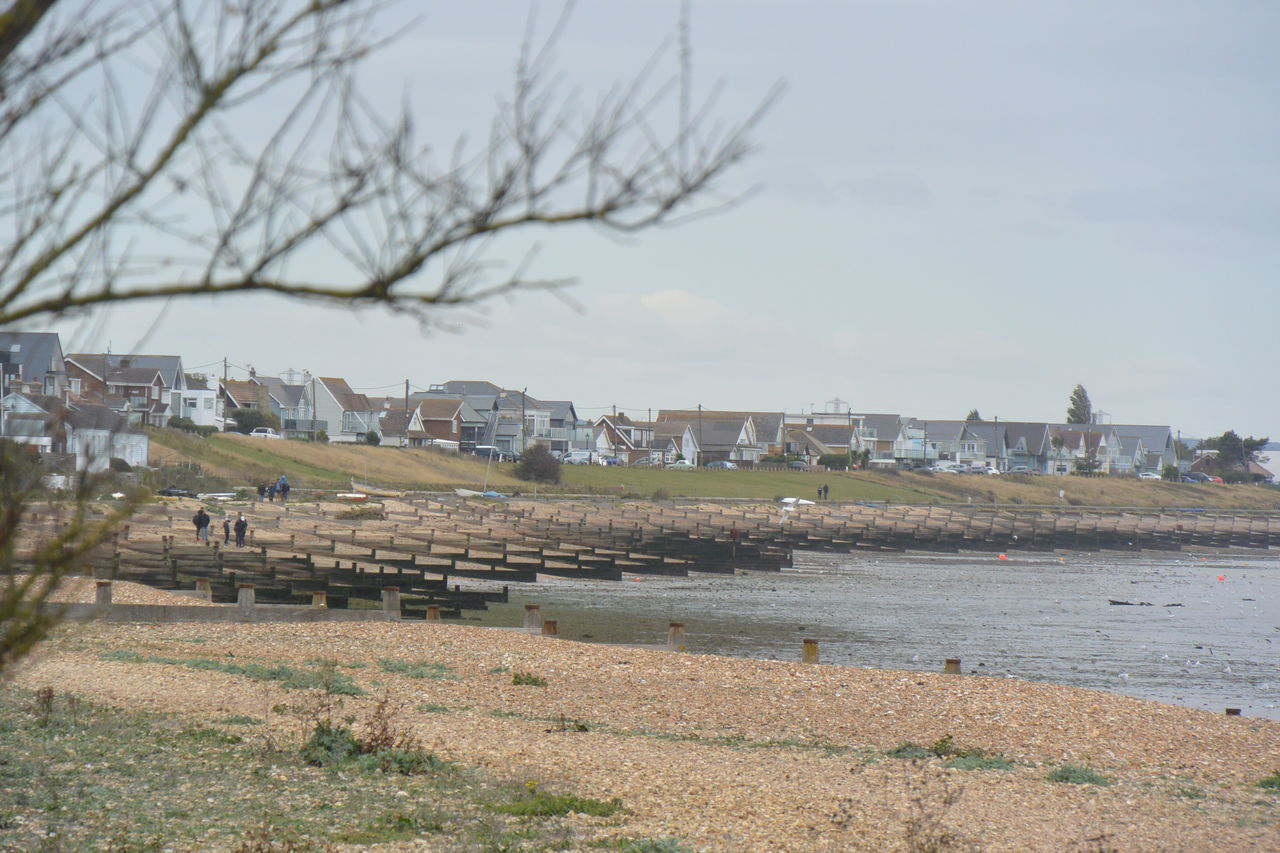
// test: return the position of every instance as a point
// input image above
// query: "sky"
(953, 206)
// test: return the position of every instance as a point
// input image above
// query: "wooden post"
(102, 594)
(320, 598)
(810, 653)
(433, 612)
(952, 666)
(532, 619)
(1233, 712)
(204, 589)
(675, 636)
(245, 598)
(391, 601)
(549, 628)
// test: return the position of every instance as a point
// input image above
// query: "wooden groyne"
(421, 546)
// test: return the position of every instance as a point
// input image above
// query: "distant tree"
(834, 461)
(973, 416)
(538, 465)
(372, 438)
(1079, 408)
(1086, 466)
(247, 420)
(1234, 451)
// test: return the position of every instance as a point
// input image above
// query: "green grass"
(1272, 781)
(1076, 775)
(528, 679)
(288, 677)
(421, 669)
(76, 777)
(974, 761)
(643, 845)
(542, 804)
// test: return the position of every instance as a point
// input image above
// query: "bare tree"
(127, 173)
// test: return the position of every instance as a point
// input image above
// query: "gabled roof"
(394, 422)
(829, 434)
(349, 400)
(440, 408)
(102, 364)
(520, 400)
(287, 396)
(196, 382)
(885, 426)
(561, 410)
(768, 425)
(240, 393)
(36, 353)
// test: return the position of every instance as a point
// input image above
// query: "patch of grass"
(1272, 781)
(977, 761)
(500, 670)
(528, 679)
(1075, 775)
(362, 513)
(421, 669)
(240, 720)
(542, 804)
(643, 845)
(1189, 793)
(433, 708)
(325, 678)
(909, 750)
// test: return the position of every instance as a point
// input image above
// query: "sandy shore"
(730, 754)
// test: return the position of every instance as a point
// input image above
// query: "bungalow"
(348, 416)
(719, 436)
(93, 434)
(674, 440)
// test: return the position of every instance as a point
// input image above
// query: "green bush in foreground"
(1076, 775)
(1272, 781)
(540, 804)
(528, 679)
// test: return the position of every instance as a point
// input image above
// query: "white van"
(578, 457)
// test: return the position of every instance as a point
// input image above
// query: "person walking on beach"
(201, 521)
(242, 527)
(226, 530)
(282, 487)
(271, 493)
(262, 492)
(826, 491)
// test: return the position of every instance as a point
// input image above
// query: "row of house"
(151, 390)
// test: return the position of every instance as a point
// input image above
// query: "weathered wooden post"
(391, 602)
(320, 598)
(532, 619)
(952, 666)
(102, 594)
(1233, 712)
(675, 636)
(433, 612)
(204, 589)
(549, 628)
(810, 653)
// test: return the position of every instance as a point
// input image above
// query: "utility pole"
(699, 432)
(524, 423)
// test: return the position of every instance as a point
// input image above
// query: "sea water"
(1198, 630)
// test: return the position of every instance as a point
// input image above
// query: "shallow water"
(1042, 617)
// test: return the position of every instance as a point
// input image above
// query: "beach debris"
(1130, 603)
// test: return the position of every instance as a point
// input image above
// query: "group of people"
(279, 487)
(202, 520)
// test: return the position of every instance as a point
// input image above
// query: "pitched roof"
(349, 400)
(393, 422)
(440, 408)
(469, 388)
(100, 364)
(36, 353)
(241, 393)
(288, 396)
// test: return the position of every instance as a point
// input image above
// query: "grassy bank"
(240, 460)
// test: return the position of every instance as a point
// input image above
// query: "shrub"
(1272, 781)
(528, 679)
(1076, 775)
(834, 461)
(538, 465)
(540, 804)
(119, 465)
(978, 761)
(247, 420)
(373, 438)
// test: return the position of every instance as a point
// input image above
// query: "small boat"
(467, 493)
(375, 491)
(352, 497)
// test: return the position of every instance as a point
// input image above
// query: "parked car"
(681, 465)
(722, 465)
(1216, 479)
(990, 469)
(650, 461)
(264, 432)
(578, 457)
(175, 492)
(1149, 475)
(1196, 477)
(488, 451)
(1023, 469)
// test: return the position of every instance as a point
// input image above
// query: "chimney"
(252, 372)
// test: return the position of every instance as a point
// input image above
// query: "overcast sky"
(956, 206)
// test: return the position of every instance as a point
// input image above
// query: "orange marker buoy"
(1004, 556)
(1222, 577)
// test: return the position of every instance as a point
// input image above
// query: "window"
(75, 386)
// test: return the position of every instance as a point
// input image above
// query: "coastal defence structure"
(316, 555)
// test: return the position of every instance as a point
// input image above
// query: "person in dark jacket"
(242, 527)
(226, 530)
(262, 492)
(201, 521)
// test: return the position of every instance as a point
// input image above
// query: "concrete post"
(391, 601)
(204, 589)
(810, 652)
(102, 594)
(549, 628)
(952, 666)
(675, 636)
(532, 619)
(319, 598)
(433, 612)
(245, 598)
